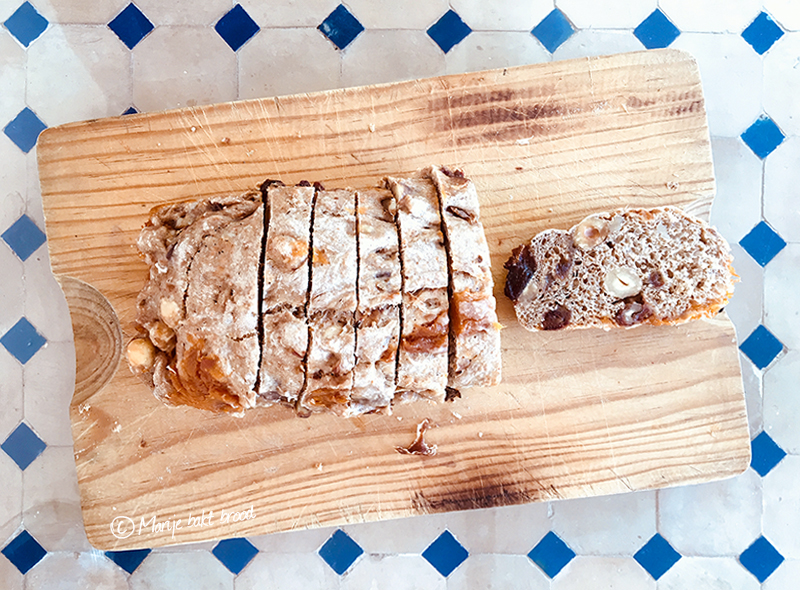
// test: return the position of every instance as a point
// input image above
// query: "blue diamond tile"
(24, 552)
(236, 27)
(551, 554)
(340, 551)
(235, 554)
(657, 556)
(762, 33)
(448, 31)
(761, 347)
(761, 559)
(128, 560)
(553, 30)
(131, 26)
(23, 340)
(341, 27)
(130, 111)
(24, 237)
(763, 137)
(26, 24)
(762, 243)
(23, 446)
(765, 454)
(24, 129)
(656, 31)
(445, 554)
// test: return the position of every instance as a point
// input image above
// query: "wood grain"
(579, 413)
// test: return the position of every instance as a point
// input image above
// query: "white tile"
(607, 525)
(172, 67)
(185, 12)
(746, 305)
(12, 184)
(494, 49)
(388, 56)
(603, 573)
(402, 535)
(781, 402)
(294, 13)
(51, 501)
(498, 572)
(80, 11)
(708, 573)
(12, 295)
(781, 310)
(707, 15)
(519, 528)
(738, 173)
(782, 507)
(198, 570)
(393, 572)
(286, 570)
(45, 304)
(713, 519)
(11, 576)
(49, 379)
(784, 12)
(400, 14)
(68, 570)
(33, 195)
(188, 547)
(785, 577)
(277, 62)
(10, 498)
(616, 14)
(752, 378)
(305, 541)
(731, 75)
(782, 82)
(501, 16)
(781, 179)
(12, 80)
(10, 393)
(592, 42)
(88, 65)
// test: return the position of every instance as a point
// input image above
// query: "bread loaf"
(321, 300)
(621, 269)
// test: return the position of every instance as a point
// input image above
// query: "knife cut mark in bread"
(474, 329)
(199, 308)
(623, 268)
(332, 304)
(379, 300)
(285, 282)
(422, 361)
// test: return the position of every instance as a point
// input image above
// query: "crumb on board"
(419, 446)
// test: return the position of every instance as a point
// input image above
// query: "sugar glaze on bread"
(621, 269)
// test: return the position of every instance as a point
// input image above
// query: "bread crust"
(622, 268)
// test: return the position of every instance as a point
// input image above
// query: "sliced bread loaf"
(623, 268)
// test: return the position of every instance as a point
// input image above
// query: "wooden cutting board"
(578, 413)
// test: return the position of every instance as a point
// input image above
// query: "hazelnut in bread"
(621, 269)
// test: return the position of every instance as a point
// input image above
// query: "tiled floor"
(66, 60)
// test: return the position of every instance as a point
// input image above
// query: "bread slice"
(422, 360)
(623, 268)
(379, 300)
(285, 280)
(474, 330)
(332, 304)
(199, 309)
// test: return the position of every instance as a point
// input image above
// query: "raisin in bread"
(623, 268)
